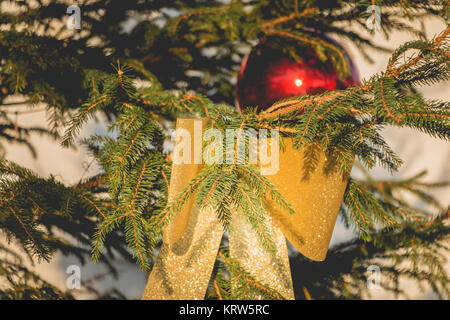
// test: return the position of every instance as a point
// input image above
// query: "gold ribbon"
(191, 240)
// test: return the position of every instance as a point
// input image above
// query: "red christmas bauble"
(268, 74)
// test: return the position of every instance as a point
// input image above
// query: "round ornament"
(269, 74)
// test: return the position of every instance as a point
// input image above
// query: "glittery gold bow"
(191, 240)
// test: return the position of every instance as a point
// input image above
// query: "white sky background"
(69, 166)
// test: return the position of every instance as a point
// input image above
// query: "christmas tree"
(145, 64)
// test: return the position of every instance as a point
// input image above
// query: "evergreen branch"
(189, 80)
(414, 251)
(93, 204)
(80, 118)
(256, 218)
(36, 245)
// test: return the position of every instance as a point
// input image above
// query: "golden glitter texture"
(315, 189)
(191, 240)
(268, 269)
(183, 269)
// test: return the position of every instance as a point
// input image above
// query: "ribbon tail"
(183, 269)
(269, 270)
(191, 240)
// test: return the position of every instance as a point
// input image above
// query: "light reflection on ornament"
(268, 74)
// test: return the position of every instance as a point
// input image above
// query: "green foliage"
(52, 64)
(416, 251)
(42, 217)
(180, 60)
(346, 123)
(24, 284)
